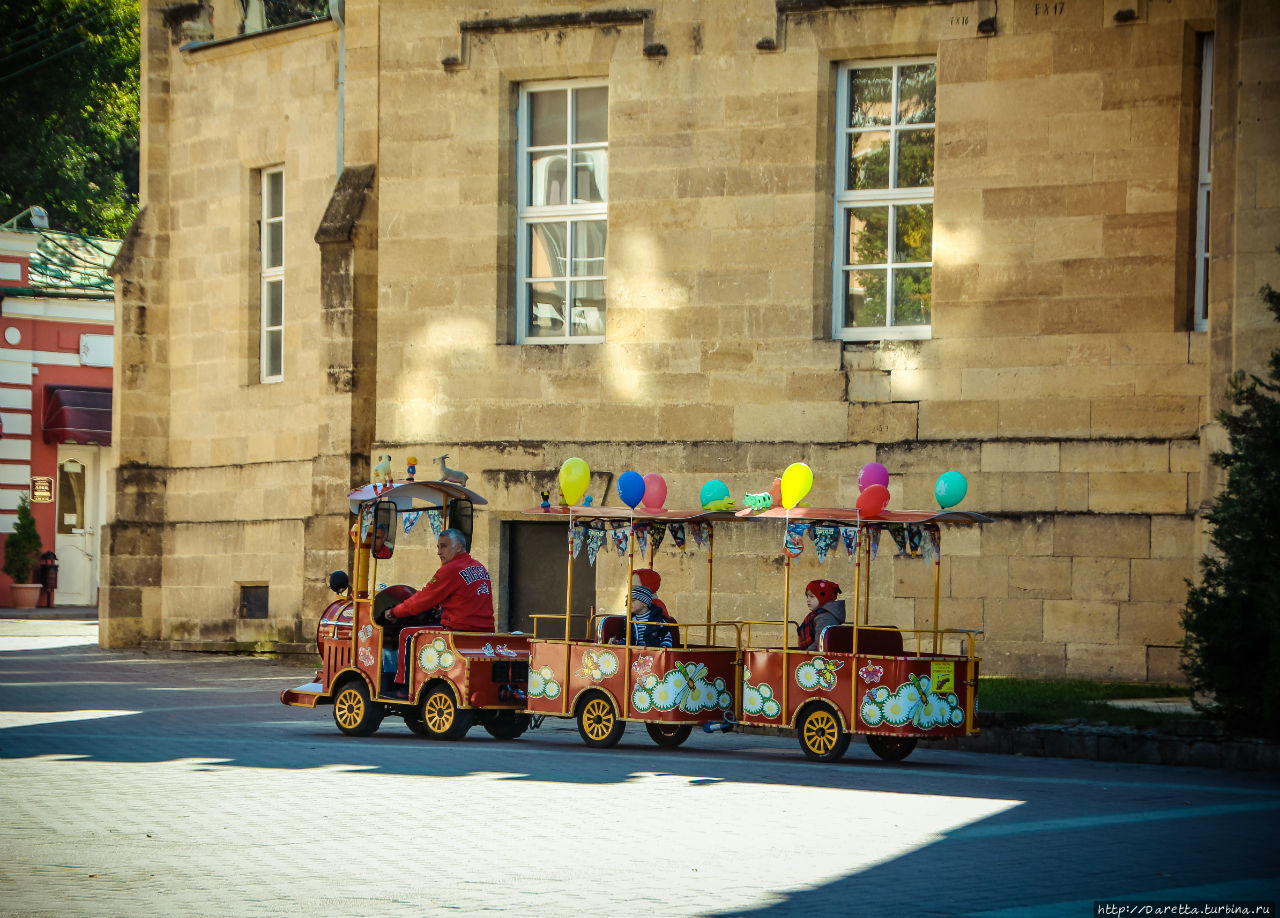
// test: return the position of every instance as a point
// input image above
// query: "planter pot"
(25, 595)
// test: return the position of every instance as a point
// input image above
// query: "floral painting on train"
(542, 683)
(912, 703)
(818, 674)
(758, 699)
(685, 687)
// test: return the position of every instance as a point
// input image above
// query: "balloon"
(714, 490)
(873, 473)
(574, 478)
(655, 491)
(796, 482)
(873, 500)
(950, 489)
(631, 488)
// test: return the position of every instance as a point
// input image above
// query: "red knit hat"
(649, 578)
(824, 590)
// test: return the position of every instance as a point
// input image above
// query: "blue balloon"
(631, 488)
(714, 490)
(950, 489)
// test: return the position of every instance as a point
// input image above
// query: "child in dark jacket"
(824, 612)
(647, 623)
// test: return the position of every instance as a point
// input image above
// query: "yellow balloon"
(574, 478)
(796, 482)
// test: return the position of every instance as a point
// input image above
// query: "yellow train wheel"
(820, 735)
(441, 717)
(598, 723)
(354, 712)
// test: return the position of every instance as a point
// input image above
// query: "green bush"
(22, 547)
(1232, 619)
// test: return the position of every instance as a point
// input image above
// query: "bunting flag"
(823, 538)
(656, 533)
(793, 540)
(436, 519)
(915, 539)
(899, 534)
(595, 538)
(640, 532)
(932, 544)
(699, 533)
(873, 539)
(850, 536)
(577, 536)
(677, 535)
(620, 540)
(366, 521)
(410, 520)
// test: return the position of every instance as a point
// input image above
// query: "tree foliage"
(22, 546)
(69, 106)
(1232, 619)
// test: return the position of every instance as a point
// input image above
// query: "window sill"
(872, 335)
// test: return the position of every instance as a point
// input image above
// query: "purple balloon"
(873, 473)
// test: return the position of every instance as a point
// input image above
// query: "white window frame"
(845, 200)
(528, 215)
(270, 334)
(1205, 158)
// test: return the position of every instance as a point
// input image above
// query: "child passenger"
(824, 612)
(648, 626)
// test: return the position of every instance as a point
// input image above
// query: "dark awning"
(77, 414)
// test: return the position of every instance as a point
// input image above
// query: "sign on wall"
(41, 490)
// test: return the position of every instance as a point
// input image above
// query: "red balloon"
(873, 500)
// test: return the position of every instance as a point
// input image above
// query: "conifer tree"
(22, 546)
(1232, 618)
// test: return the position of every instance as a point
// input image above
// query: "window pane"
(273, 257)
(869, 160)
(588, 247)
(917, 94)
(590, 176)
(868, 236)
(274, 352)
(915, 159)
(865, 302)
(912, 296)
(70, 496)
(274, 312)
(275, 194)
(588, 308)
(548, 179)
(546, 310)
(591, 115)
(548, 118)
(546, 250)
(870, 96)
(913, 233)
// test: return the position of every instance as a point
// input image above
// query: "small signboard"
(41, 490)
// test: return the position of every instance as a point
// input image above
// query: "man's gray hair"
(456, 536)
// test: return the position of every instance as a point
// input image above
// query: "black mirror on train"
(339, 582)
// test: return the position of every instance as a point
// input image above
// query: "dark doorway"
(536, 570)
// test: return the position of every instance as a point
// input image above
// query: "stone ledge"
(275, 648)
(1121, 744)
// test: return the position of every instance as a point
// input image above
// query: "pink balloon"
(873, 500)
(655, 491)
(873, 473)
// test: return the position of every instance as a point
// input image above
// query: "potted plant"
(21, 549)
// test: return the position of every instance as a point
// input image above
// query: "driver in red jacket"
(461, 589)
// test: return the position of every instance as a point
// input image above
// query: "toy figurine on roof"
(413, 467)
(453, 475)
(382, 471)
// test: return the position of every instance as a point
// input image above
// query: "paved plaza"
(157, 783)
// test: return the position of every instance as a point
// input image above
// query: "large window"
(564, 194)
(1205, 159)
(271, 332)
(884, 200)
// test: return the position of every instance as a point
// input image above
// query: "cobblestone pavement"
(155, 783)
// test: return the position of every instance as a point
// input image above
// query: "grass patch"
(1032, 701)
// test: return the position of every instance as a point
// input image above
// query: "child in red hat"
(824, 612)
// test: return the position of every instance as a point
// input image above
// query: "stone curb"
(1120, 744)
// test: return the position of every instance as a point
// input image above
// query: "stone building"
(706, 238)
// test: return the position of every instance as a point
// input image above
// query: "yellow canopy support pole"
(937, 591)
(568, 589)
(711, 556)
(631, 572)
(866, 594)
